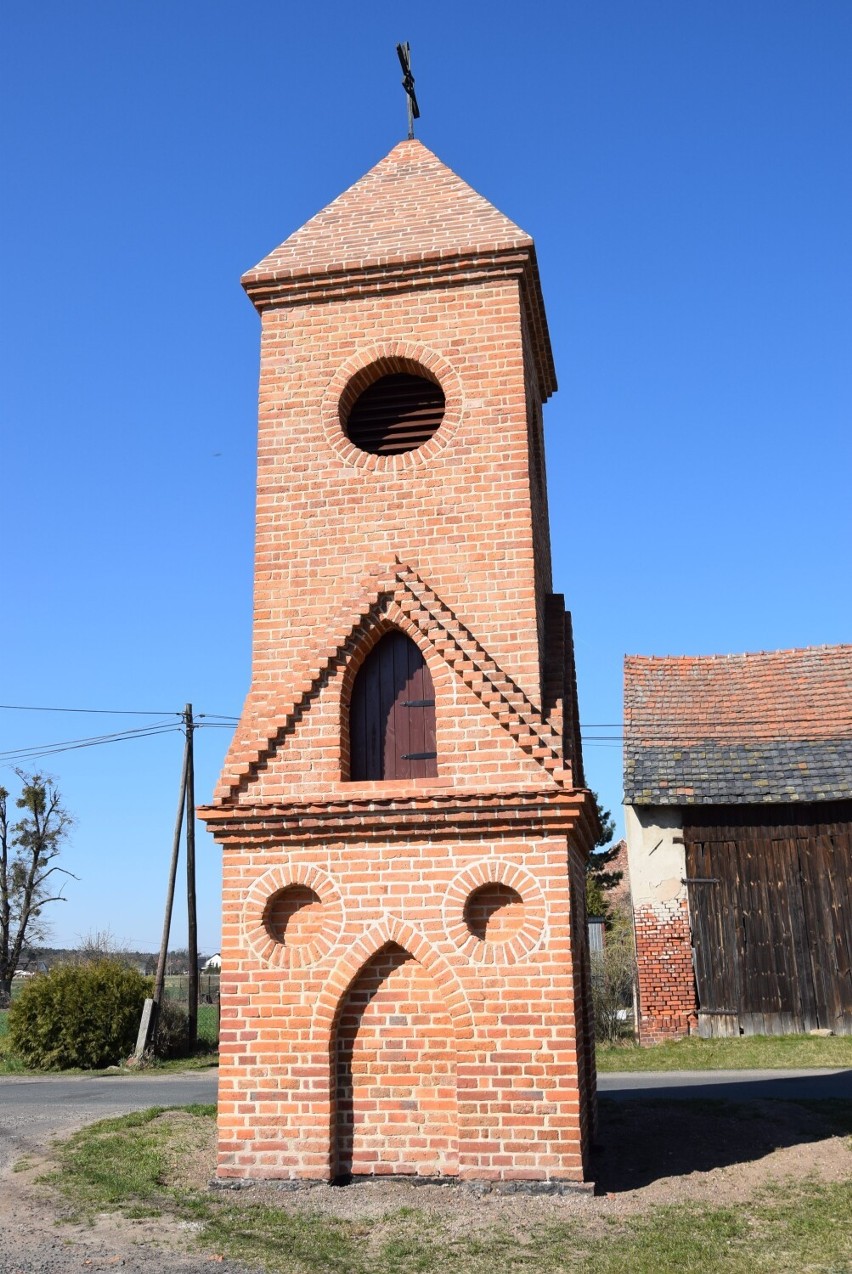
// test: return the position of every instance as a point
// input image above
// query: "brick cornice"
(274, 289)
(414, 815)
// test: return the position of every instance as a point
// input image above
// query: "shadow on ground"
(640, 1142)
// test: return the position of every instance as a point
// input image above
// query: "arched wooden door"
(392, 714)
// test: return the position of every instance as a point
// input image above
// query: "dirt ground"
(650, 1154)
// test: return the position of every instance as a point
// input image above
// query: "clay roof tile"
(769, 725)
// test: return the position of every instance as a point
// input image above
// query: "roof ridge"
(745, 654)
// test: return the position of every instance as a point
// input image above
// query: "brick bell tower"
(402, 811)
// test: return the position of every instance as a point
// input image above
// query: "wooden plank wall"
(770, 897)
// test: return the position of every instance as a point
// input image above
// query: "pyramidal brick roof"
(410, 222)
(409, 207)
(727, 729)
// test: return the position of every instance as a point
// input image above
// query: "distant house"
(738, 788)
(619, 896)
(213, 965)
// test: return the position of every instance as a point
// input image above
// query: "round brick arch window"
(293, 916)
(494, 913)
(394, 414)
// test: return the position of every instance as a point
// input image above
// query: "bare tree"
(100, 944)
(28, 870)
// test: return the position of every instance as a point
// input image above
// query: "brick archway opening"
(394, 1073)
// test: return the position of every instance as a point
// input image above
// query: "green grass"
(201, 1061)
(759, 1052)
(127, 1164)
(121, 1162)
(208, 1024)
(9, 1064)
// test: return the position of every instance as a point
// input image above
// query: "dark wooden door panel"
(770, 897)
(392, 714)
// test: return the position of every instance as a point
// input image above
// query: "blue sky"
(684, 169)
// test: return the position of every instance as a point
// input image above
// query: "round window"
(395, 414)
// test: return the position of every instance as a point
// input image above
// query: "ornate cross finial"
(403, 52)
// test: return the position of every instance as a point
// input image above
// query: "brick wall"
(404, 972)
(462, 513)
(666, 978)
(395, 1102)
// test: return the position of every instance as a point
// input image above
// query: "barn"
(738, 795)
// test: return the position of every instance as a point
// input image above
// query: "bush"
(613, 973)
(86, 1015)
(172, 1038)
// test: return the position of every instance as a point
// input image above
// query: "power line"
(671, 730)
(34, 751)
(68, 745)
(102, 712)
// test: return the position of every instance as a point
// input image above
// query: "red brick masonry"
(666, 978)
(404, 964)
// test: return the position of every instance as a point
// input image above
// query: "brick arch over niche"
(393, 930)
(326, 919)
(366, 367)
(513, 879)
(393, 1056)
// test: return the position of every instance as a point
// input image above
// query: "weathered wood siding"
(770, 899)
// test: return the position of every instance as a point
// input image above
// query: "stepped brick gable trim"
(404, 600)
(405, 975)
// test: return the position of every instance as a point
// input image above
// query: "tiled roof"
(738, 729)
(409, 207)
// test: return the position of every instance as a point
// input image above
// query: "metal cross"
(403, 52)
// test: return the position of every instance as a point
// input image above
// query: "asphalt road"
(33, 1109)
(756, 1085)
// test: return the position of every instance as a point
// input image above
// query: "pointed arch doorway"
(392, 714)
(394, 1073)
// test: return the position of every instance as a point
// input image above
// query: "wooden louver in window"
(396, 413)
(392, 714)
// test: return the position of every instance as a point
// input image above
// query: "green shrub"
(86, 1016)
(172, 1038)
(613, 974)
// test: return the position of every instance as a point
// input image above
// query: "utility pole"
(148, 1025)
(192, 920)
